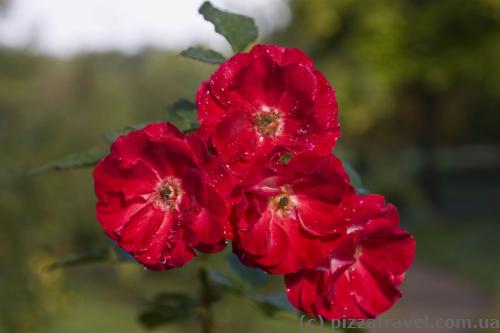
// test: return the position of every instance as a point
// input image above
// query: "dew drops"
(353, 228)
(246, 156)
(301, 131)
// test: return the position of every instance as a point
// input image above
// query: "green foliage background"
(418, 85)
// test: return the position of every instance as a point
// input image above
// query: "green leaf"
(205, 55)
(255, 277)
(183, 114)
(109, 253)
(272, 304)
(183, 104)
(239, 30)
(122, 255)
(77, 160)
(135, 127)
(89, 257)
(111, 136)
(285, 158)
(355, 178)
(167, 308)
(118, 253)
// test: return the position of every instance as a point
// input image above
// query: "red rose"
(288, 215)
(360, 277)
(264, 101)
(156, 200)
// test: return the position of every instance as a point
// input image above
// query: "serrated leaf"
(271, 304)
(167, 308)
(76, 160)
(239, 30)
(183, 114)
(205, 55)
(254, 277)
(355, 178)
(89, 257)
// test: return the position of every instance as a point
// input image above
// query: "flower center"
(283, 202)
(168, 194)
(267, 122)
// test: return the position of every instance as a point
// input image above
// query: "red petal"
(215, 172)
(395, 251)
(131, 177)
(207, 231)
(374, 292)
(296, 56)
(259, 82)
(257, 240)
(208, 108)
(139, 232)
(302, 290)
(274, 260)
(115, 213)
(341, 302)
(318, 217)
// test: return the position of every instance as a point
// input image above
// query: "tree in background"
(408, 57)
(422, 73)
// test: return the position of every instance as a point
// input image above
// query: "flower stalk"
(206, 300)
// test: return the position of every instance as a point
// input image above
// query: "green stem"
(206, 300)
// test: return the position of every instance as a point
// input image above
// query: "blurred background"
(418, 83)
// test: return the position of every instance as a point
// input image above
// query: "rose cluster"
(259, 172)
